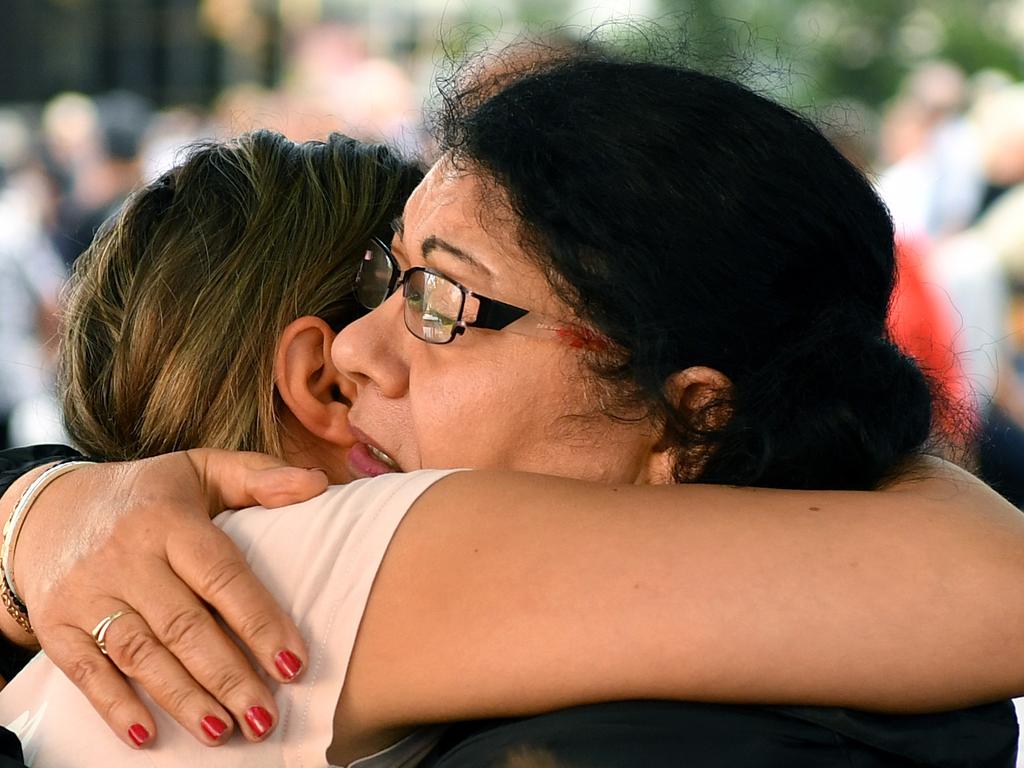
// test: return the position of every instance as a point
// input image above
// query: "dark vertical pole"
(18, 77)
(160, 36)
(274, 46)
(214, 56)
(192, 56)
(107, 44)
(135, 41)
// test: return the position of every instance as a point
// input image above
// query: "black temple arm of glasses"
(494, 315)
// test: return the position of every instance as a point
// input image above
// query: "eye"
(414, 295)
(433, 317)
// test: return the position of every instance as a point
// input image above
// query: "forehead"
(458, 206)
(454, 200)
(474, 216)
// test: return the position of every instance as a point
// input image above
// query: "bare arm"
(505, 594)
(509, 594)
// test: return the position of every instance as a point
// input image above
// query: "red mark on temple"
(579, 337)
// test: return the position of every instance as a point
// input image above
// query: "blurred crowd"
(946, 152)
(949, 163)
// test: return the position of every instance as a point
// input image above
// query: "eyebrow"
(398, 226)
(434, 243)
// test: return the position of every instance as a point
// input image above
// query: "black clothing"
(10, 750)
(15, 462)
(990, 195)
(651, 734)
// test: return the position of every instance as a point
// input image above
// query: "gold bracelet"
(15, 607)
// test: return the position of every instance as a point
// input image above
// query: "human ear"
(307, 381)
(700, 393)
(700, 397)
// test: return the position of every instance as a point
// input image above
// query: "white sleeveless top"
(319, 557)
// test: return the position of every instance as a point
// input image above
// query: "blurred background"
(96, 96)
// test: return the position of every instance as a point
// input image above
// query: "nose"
(371, 352)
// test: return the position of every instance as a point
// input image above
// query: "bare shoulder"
(936, 478)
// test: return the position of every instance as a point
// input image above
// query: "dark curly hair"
(694, 222)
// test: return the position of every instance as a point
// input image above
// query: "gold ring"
(99, 632)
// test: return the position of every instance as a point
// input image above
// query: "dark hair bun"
(829, 410)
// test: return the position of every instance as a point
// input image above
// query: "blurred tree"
(818, 51)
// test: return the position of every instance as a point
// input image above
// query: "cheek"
(505, 409)
(465, 415)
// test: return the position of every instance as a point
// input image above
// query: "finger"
(134, 649)
(209, 660)
(280, 486)
(211, 565)
(233, 479)
(75, 653)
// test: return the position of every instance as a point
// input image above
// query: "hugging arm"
(508, 594)
(498, 592)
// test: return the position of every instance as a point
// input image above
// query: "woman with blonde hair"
(161, 350)
(168, 311)
(512, 594)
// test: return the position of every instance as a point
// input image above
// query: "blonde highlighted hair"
(172, 315)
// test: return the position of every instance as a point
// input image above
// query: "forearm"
(518, 595)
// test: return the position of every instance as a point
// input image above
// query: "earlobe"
(307, 381)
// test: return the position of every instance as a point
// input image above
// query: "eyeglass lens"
(375, 276)
(432, 306)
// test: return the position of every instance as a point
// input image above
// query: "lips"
(368, 460)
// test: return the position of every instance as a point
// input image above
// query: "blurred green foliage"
(823, 50)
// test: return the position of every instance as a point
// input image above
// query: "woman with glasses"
(628, 323)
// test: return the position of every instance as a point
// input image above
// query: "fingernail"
(259, 720)
(213, 726)
(138, 734)
(288, 664)
(316, 469)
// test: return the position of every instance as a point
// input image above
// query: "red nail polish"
(138, 734)
(259, 720)
(288, 664)
(213, 726)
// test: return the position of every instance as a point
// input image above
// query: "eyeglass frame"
(492, 314)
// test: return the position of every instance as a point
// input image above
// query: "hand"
(138, 536)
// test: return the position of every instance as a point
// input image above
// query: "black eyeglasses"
(437, 309)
